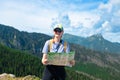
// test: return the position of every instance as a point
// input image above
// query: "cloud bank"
(79, 17)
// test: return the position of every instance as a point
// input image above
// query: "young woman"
(54, 72)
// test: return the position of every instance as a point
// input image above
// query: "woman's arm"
(45, 51)
(44, 59)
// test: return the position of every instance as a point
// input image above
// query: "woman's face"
(58, 34)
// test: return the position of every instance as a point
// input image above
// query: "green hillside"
(30, 42)
(22, 64)
(19, 63)
(105, 66)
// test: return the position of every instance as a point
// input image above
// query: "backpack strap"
(50, 45)
(51, 42)
(65, 46)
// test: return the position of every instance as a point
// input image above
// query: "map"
(61, 59)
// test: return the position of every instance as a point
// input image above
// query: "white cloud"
(105, 7)
(84, 18)
(80, 17)
(114, 37)
(26, 17)
(114, 2)
(106, 27)
(108, 23)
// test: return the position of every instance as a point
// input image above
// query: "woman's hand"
(72, 62)
(44, 59)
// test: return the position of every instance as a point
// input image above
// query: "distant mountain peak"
(96, 37)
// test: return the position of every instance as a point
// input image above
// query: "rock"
(6, 76)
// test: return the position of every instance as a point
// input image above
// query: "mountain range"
(32, 42)
(90, 60)
(95, 42)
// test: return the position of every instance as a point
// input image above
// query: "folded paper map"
(61, 59)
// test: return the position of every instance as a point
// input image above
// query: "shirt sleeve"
(68, 48)
(45, 48)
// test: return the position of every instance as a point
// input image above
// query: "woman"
(54, 72)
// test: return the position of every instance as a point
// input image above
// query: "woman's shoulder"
(47, 41)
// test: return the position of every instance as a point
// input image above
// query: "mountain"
(94, 42)
(90, 64)
(13, 38)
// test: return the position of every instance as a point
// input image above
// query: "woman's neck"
(56, 39)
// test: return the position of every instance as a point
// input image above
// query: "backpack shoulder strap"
(50, 45)
(51, 42)
(65, 46)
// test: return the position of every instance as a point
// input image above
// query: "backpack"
(51, 42)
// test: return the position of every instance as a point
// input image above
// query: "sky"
(78, 17)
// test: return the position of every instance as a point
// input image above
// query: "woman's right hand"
(44, 59)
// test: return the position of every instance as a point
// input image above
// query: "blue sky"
(79, 17)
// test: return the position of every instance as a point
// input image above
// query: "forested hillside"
(19, 63)
(22, 64)
(30, 42)
(105, 66)
(89, 66)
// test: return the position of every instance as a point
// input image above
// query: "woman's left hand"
(72, 62)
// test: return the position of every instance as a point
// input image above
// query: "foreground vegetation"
(24, 64)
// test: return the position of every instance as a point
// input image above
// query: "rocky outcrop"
(6, 76)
